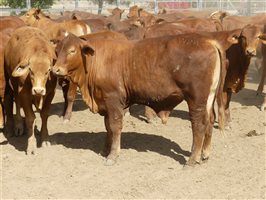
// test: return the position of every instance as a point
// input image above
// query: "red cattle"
(158, 72)
(239, 56)
(4, 38)
(34, 17)
(28, 59)
(69, 89)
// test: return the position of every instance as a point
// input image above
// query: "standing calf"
(29, 57)
(158, 72)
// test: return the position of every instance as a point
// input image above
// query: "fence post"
(76, 4)
(28, 2)
(117, 3)
(155, 6)
(248, 8)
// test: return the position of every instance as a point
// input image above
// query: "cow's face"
(38, 69)
(133, 12)
(116, 12)
(31, 16)
(251, 35)
(71, 55)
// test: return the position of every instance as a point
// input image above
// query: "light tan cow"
(34, 17)
(28, 59)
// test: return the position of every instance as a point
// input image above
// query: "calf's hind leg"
(208, 135)
(198, 117)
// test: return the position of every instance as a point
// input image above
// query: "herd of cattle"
(156, 60)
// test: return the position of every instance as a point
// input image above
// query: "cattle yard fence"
(236, 7)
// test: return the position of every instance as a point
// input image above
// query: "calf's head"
(71, 55)
(31, 16)
(251, 36)
(38, 68)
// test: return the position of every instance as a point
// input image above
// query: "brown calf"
(158, 72)
(28, 59)
(34, 17)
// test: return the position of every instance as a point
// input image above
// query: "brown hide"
(35, 18)
(4, 39)
(158, 72)
(239, 56)
(10, 23)
(69, 89)
(28, 59)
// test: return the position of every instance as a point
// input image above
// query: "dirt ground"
(151, 160)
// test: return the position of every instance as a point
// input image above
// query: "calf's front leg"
(113, 124)
(30, 123)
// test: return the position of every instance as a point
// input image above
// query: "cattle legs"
(30, 124)
(206, 149)
(113, 124)
(202, 123)
(2, 119)
(226, 98)
(44, 116)
(19, 124)
(8, 105)
(69, 92)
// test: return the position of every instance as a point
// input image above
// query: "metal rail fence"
(238, 7)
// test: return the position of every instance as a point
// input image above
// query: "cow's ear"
(234, 35)
(87, 50)
(21, 69)
(262, 37)
(139, 11)
(36, 13)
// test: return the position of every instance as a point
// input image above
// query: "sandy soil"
(151, 160)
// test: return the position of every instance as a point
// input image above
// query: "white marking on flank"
(215, 81)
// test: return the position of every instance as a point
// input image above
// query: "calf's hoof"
(66, 118)
(192, 163)
(65, 121)
(127, 114)
(262, 108)
(110, 160)
(46, 144)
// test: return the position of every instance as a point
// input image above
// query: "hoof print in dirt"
(253, 133)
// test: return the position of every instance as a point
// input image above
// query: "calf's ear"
(87, 50)
(36, 13)
(262, 37)
(233, 36)
(21, 69)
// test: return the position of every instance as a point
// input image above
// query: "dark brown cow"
(239, 56)
(34, 17)
(28, 59)
(158, 72)
(69, 89)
